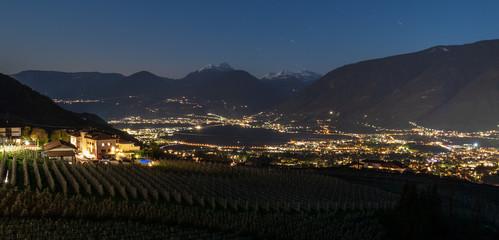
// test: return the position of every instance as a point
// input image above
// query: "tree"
(40, 135)
(25, 133)
(153, 150)
(59, 134)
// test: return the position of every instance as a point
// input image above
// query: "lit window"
(109, 144)
(103, 144)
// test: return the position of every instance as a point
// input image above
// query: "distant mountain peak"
(222, 67)
(305, 75)
(438, 49)
(143, 74)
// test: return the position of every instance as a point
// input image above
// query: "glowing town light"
(198, 127)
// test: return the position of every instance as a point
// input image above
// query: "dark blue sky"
(172, 38)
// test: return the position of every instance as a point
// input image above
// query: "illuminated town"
(468, 156)
(418, 150)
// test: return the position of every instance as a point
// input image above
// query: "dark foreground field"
(44, 199)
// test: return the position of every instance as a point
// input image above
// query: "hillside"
(68, 85)
(449, 87)
(20, 103)
(24, 106)
(238, 89)
(139, 84)
(290, 83)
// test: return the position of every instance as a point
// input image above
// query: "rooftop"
(58, 144)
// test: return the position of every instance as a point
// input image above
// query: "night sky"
(172, 38)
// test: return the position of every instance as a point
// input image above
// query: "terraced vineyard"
(206, 185)
(211, 201)
(227, 201)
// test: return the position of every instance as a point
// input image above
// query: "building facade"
(99, 145)
(60, 150)
(10, 131)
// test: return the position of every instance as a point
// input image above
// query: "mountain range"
(443, 87)
(290, 83)
(217, 89)
(64, 85)
(305, 75)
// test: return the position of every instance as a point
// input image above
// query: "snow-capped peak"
(304, 75)
(222, 67)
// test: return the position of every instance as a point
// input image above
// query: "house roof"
(92, 134)
(58, 144)
(99, 136)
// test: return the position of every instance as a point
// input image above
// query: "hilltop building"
(98, 145)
